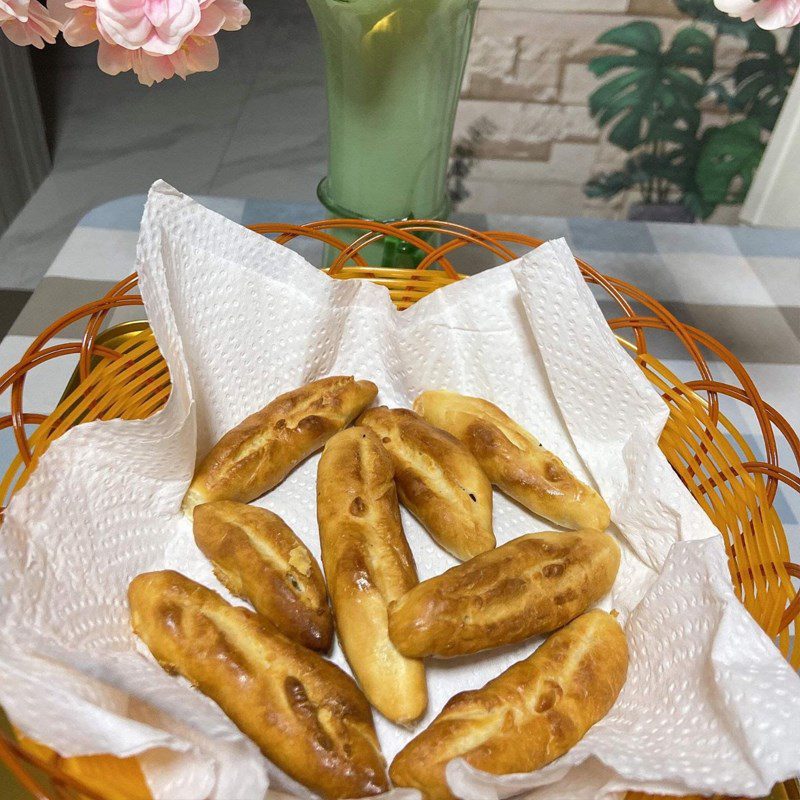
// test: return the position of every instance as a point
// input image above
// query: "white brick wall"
(575, 6)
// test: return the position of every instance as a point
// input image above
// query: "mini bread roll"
(438, 480)
(529, 715)
(260, 452)
(256, 555)
(514, 461)
(368, 564)
(307, 716)
(529, 586)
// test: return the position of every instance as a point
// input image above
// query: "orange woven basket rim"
(705, 449)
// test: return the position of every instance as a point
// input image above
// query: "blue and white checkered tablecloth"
(741, 285)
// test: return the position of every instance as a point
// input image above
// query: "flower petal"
(198, 54)
(113, 59)
(734, 7)
(37, 28)
(123, 22)
(42, 22)
(14, 9)
(773, 14)
(237, 14)
(58, 10)
(152, 69)
(211, 20)
(19, 34)
(173, 21)
(81, 28)
(768, 14)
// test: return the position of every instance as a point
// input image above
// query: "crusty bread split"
(257, 556)
(515, 461)
(437, 479)
(260, 452)
(526, 587)
(305, 714)
(529, 715)
(368, 564)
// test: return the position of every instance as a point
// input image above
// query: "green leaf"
(641, 36)
(692, 48)
(651, 85)
(761, 41)
(747, 68)
(675, 110)
(608, 184)
(686, 86)
(759, 85)
(600, 65)
(612, 93)
(667, 131)
(624, 98)
(763, 79)
(627, 133)
(728, 154)
(697, 9)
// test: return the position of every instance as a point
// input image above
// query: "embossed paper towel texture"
(709, 705)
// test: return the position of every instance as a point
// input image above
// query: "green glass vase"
(394, 71)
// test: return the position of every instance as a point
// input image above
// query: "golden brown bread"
(305, 714)
(368, 564)
(256, 555)
(529, 715)
(528, 586)
(515, 461)
(438, 480)
(260, 452)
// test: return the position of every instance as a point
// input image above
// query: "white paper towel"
(710, 705)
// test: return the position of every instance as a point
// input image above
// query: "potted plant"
(681, 168)
(156, 39)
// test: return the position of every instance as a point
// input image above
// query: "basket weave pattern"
(735, 488)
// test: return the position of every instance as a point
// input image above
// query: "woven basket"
(122, 374)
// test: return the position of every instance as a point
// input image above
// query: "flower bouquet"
(157, 39)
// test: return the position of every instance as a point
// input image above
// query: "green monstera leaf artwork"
(655, 84)
(654, 92)
(763, 79)
(728, 160)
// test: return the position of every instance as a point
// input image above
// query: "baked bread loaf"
(438, 480)
(529, 715)
(514, 461)
(256, 555)
(307, 716)
(368, 564)
(260, 452)
(528, 586)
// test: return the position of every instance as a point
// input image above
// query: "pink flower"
(768, 14)
(234, 13)
(155, 38)
(27, 22)
(156, 26)
(196, 54)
